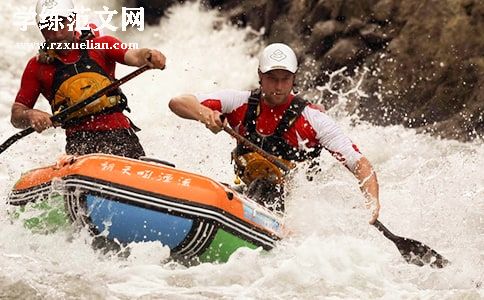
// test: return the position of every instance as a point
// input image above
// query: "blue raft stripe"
(193, 244)
(142, 225)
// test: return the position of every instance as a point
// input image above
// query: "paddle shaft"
(387, 233)
(15, 138)
(62, 115)
(258, 150)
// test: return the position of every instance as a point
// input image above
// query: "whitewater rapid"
(431, 190)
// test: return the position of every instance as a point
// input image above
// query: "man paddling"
(70, 73)
(280, 123)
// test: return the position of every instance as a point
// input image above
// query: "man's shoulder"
(33, 60)
(33, 64)
(315, 111)
(228, 100)
(316, 106)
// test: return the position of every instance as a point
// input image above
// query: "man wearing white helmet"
(280, 123)
(71, 74)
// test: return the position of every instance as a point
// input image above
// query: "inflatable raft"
(137, 201)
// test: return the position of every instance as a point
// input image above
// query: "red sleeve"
(94, 30)
(29, 86)
(213, 104)
(116, 55)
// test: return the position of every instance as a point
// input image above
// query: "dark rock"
(251, 13)
(357, 9)
(465, 121)
(475, 10)
(326, 29)
(323, 35)
(430, 75)
(283, 31)
(298, 14)
(320, 12)
(353, 26)
(345, 52)
(383, 11)
(374, 36)
(325, 10)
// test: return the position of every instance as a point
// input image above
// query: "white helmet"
(278, 56)
(63, 8)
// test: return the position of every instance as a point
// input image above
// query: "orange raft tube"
(138, 201)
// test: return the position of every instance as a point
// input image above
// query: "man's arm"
(22, 114)
(144, 56)
(332, 138)
(24, 117)
(369, 186)
(188, 107)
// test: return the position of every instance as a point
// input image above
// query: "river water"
(431, 190)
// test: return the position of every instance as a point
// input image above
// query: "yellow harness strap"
(78, 88)
(252, 166)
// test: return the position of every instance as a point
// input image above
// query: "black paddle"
(414, 252)
(62, 115)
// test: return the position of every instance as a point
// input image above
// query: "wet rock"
(383, 10)
(353, 26)
(345, 52)
(374, 36)
(321, 12)
(323, 35)
(250, 13)
(326, 28)
(430, 75)
(325, 9)
(356, 9)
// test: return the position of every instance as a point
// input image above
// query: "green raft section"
(49, 215)
(222, 246)
(44, 216)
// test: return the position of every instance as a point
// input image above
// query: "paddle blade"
(413, 251)
(419, 254)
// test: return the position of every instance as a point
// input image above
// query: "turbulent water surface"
(431, 190)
